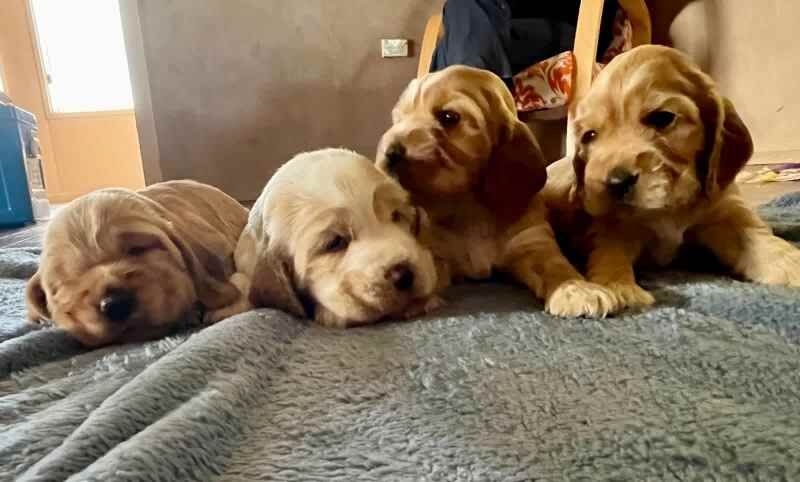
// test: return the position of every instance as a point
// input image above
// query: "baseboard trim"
(62, 197)
(775, 157)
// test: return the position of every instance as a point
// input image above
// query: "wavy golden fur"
(658, 150)
(119, 265)
(457, 145)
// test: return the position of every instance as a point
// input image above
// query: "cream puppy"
(333, 239)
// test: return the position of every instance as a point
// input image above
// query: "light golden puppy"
(119, 265)
(333, 239)
(457, 145)
(658, 149)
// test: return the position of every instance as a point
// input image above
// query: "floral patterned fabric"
(548, 84)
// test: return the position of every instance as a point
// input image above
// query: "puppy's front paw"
(423, 307)
(630, 295)
(581, 298)
(212, 316)
(782, 270)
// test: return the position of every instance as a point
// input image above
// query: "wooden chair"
(587, 35)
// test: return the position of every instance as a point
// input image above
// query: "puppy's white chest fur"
(667, 238)
(465, 238)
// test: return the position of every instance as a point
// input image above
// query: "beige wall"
(751, 48)
(236, 87)
(80, 153)
(227, 90)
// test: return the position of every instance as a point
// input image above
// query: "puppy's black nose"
(620, 182)
(401, 276)
(395, 154)
(118, 304)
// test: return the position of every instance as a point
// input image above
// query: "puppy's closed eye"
(404, 215)
(136, 251)
(397, 216)
(139, 244)
(659, 119)
(336, 243)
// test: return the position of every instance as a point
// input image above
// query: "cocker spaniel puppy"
(119, 265)
(333, 239)
(658, 149)
(457, 145)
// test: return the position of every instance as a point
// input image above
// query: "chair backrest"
(433, 31)
(636, 10)
(588, 32)
(585, 49)
(639, 16)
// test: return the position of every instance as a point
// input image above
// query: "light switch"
(394, 47)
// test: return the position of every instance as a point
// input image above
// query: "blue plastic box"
(18, 143)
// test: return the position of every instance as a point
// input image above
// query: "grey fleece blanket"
(704, 386)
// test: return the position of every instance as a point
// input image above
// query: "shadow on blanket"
(703, 386)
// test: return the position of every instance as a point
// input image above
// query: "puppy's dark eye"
(397, 216)
(137, 250)
(448, 118)
(659, 119)
(588, 136)
(336, 244)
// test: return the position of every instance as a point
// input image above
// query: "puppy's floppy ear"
(36, 300)
(515, 172)
(273, 282)
(728, 144)
(422, 223)
(407, 95)
(208, 273)
(202, 252)
(579, 168)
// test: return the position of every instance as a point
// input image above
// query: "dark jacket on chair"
(508, 36)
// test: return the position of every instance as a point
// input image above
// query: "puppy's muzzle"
(401, 276)
(395, 157)
(118, 305)
(620, 182)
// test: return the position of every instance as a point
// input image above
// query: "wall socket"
(394, 47)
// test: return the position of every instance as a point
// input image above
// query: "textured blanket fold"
(704, 386)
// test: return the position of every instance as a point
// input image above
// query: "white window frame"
(50, 113)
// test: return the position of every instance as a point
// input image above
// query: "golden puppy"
(333, 239)
(658, 149)
(119, 265)
(456, 144)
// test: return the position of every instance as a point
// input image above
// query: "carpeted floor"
(703, 386)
